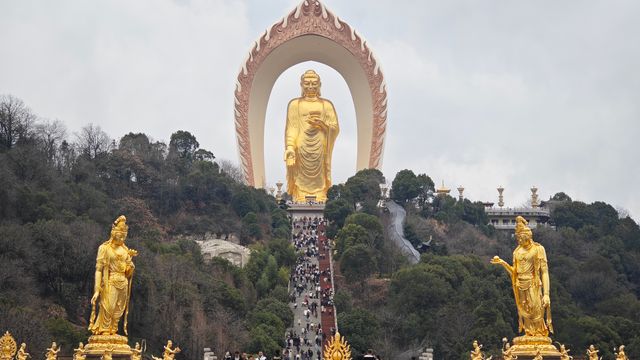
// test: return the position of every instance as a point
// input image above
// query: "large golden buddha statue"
(311, 131)
(530, 281)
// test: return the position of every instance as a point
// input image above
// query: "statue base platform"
(118, 344)
(526, 347)
(309, 210)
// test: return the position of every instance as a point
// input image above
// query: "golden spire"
(443, 190)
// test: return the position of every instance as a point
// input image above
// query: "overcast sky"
(481, 93)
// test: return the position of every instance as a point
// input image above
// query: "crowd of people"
(310, 296)
(244, 356)
(309, 300)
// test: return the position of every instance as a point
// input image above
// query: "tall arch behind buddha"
(309, 33)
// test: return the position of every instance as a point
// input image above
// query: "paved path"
(329, 322)
(304, 293)
(395, 229)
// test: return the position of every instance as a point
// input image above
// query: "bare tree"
(231, 170)
(16, 121)
(50, 135)
(91, 141)
(622, 212)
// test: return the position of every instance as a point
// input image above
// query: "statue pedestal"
(309, 210)
(526, 347)
(118, 344)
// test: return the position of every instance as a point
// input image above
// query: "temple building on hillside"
(503, 218)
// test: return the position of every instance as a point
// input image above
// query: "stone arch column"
(309, 33)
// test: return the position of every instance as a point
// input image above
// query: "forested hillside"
(59, 194)
(454, 295)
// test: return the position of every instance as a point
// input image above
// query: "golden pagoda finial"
(337, 348)
(443, 190)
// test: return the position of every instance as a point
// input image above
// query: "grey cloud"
(480, 93)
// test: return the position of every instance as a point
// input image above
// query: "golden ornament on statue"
(311, 131)
(337, 348)
(8, 346)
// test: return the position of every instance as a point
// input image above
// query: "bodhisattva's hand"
(94, 298)
(133, 253)
(497, 260)
(546, 301)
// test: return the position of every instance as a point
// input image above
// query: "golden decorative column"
(310, 133)
(112, 294)
(530, 281)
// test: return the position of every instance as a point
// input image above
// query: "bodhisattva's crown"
(521, 227)
(120, 225)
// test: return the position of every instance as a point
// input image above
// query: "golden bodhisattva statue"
(52, 352)
(620, 355)
(476, 353)
(169, 353)
(592, 353)
(112, 292)
(136, 352)
(564, 353)
(530, 281)
(22, 352)
(311, 131)
(507, 350)
(79, 353)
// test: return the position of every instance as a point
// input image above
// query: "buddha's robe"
(313, 147)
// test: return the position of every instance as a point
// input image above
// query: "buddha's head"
(310, 84)
(119, 230)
